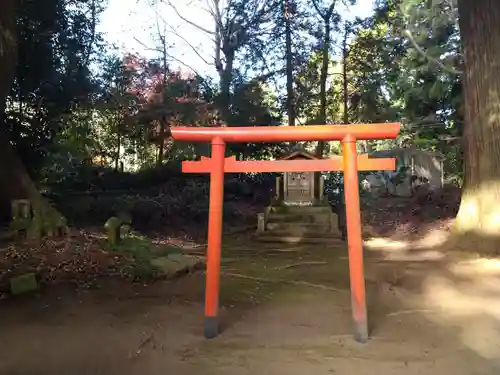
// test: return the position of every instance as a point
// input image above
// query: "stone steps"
(320, 218)
(301, 210)
(272, 237)
(294, 224)
(298, 226)
(297, 232)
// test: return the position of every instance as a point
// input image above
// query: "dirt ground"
(428, 315)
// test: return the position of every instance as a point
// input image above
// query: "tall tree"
(480, 33)
(325, 12)
(288, 10)
(17, 183)
(237, 25)
(345, 69)
(58, 38)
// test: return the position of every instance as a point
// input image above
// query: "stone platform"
(299, 210)
(299, 224)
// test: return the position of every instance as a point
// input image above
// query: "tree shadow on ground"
(453, 280)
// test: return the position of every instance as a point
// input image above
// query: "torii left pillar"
(212, 288)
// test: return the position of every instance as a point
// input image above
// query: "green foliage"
(87, 120)
(396, 77)
(56, 42)
(141, 251)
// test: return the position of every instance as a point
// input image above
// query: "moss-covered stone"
(36, 219)
(23, 284)
(174, 264)
(112, 227)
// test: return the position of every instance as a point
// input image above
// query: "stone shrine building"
(299, 210)
(299, 188)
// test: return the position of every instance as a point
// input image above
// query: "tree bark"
(323, 77)
(290, 96)
(17, 184)
(225, 79)
(325, 60)
(345, 53)
(163, 121)
(479, 214)
(8, 46)
(161, 145)
(118, 149)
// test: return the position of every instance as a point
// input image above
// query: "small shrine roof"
(298, 152)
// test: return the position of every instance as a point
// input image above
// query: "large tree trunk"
(15, 180)
(290, 95)
(225, 79)
(323, 77)
(324, 68)
(8, 48)
(345, 54)
(479, 214)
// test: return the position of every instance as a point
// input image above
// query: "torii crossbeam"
(350, 163)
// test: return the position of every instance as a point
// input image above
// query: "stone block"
(173, 264)
(23, 284)
(369, 232)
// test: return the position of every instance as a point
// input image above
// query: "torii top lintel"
(286, 133)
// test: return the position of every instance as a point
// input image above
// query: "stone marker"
(112, 227)
(23, 284)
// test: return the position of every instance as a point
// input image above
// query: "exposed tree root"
(277, 281)
(300, 265)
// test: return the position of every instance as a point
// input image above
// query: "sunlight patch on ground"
(468, 301)
(404, 250)
(445, 295)
(433, 239)
(386, 244)
(473, 268)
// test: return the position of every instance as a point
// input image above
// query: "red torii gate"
(350, 163)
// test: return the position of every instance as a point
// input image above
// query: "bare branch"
(146, 47)
(211, 8)
(217, 17)
(316, 6)
(163, 49)
(174, 31)
(160, 34)
(434, 60)
(201, 28)
(193, 48)
(169, 56)
(208, 10)
(325, 16)
(331, 8)
(218, 40)
(229, 6)
(186, 65)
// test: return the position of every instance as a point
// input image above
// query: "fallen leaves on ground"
(78, 258)
(412, 218)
